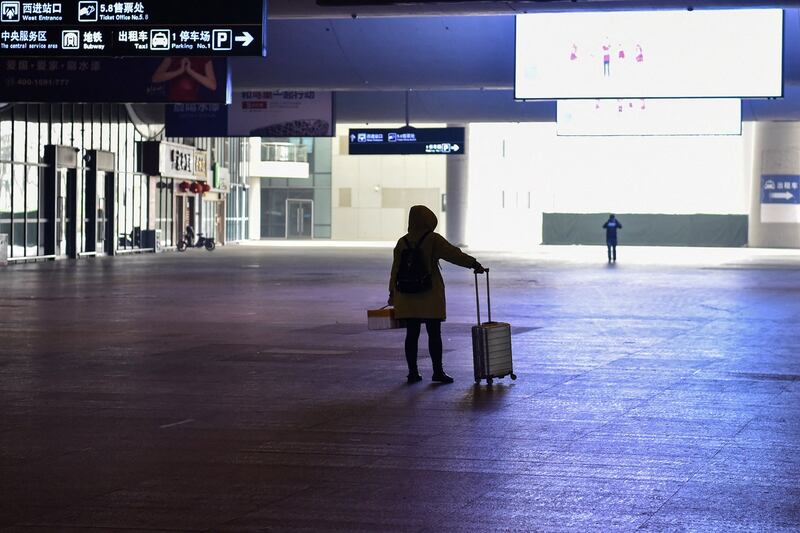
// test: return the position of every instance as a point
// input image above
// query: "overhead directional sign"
(406, 141)
(780, 189)
(81, 28)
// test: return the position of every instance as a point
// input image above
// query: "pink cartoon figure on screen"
(606, 59)
(574, 55)
(621, 53)
(639, 53)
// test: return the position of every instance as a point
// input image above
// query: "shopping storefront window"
(25, 130)
(165, 208)
(5, 198)
(27, 198)
(283, 200)
(32, 212)
(18, 206)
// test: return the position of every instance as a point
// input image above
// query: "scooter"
(202, 242)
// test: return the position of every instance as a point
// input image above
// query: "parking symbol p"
(222, 40)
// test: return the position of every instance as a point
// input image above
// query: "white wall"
(502, 169)
(658, 175)
(381, 190)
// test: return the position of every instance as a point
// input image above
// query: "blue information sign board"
(406, 140)
(143, 28)
(780, 189)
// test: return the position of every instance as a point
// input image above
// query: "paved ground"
(240, 391)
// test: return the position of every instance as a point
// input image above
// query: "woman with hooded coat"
(428, 306)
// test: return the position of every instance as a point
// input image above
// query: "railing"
(284, 152)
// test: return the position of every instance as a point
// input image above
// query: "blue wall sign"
(780, 189)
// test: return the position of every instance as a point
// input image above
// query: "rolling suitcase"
(491, 343)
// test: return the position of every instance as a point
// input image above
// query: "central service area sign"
(83, 28)
(406, 141)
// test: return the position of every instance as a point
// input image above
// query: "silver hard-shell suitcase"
(491, 343)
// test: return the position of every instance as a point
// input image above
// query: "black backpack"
(413, 275)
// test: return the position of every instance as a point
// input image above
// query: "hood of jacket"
(420, 221)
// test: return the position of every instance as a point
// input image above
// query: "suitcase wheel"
(513, 376)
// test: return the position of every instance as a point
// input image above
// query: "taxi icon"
(159, 40)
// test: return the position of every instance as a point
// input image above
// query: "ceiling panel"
(459, 68)
(385, 53)
(407, 53)
(283, 9)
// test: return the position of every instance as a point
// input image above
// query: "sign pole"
(407, 91)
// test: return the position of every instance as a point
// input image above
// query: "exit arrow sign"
(780, 189)
(781, 195)
(245, 38)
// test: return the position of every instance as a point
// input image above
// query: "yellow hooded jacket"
(430, 304)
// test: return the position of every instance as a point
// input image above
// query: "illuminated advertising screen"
(650, 54)
(661, 116)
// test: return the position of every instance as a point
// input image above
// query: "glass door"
(62, 215)
(102, 219)
(299, 219)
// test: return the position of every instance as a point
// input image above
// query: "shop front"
(98, 208)
(179, 181)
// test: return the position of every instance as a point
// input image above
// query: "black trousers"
(612, 251)
(434, 328)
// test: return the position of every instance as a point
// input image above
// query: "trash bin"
(148, 239)
(3, 249)
(151, 239)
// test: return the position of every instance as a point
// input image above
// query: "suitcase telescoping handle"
(488, 297)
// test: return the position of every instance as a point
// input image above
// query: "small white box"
(383, 318)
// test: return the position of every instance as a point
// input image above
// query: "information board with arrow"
(780, 189)
(406, 141)
(104, 28)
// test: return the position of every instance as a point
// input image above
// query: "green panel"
(647, 230)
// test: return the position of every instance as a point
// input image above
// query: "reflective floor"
(239, 390)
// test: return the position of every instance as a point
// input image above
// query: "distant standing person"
(611, 226)
(416, 287)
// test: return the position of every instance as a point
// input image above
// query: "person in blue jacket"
(611, 226)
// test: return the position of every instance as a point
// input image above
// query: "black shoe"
(414, 378)
(442, 378)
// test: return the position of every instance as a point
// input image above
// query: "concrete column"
(457, 189)
(254, 204)
(775, 150)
